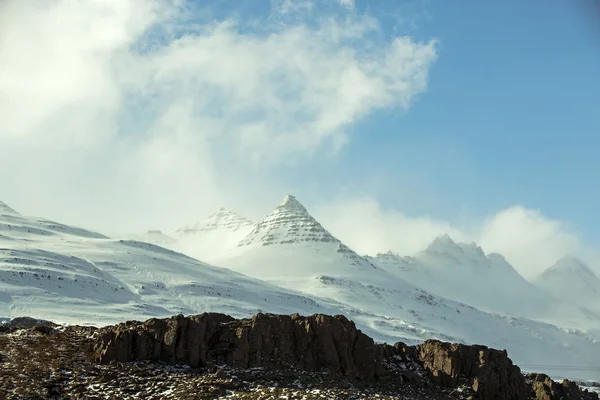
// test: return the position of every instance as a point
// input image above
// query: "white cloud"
(368, 229)
(528, 239)
(118, 114)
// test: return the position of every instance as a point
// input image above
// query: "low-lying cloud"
(528, 239)
(120, 114)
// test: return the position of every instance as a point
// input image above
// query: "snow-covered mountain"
(211, 237)
(53, 271)
(570, 279)
(463, 272)
(206, 239)
(291, 249)
(222, 219)
(70, 274)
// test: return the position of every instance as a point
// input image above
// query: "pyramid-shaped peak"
(5, 209)
(445, 238)
(570, 260)
(291, 204)
(288, 223)
(570, 265)
(443, 244)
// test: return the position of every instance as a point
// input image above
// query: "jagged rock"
(293, 351)
(545, 388)
(490, 372)
(314, 343)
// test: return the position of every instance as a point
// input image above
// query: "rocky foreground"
(212, 356)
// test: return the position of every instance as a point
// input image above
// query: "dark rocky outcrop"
(325, 343)
(28, 322)
(315, 343)
(544, 388)
(490, 373)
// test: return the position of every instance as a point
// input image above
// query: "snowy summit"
(288, 223)
(223, 218)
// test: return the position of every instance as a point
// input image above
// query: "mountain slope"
(70, 274)
(291, 249)
(463, 272)
(570, 279)
(303, 247)
(212, 236)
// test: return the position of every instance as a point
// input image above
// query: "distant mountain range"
(289, 262)
(570, 279)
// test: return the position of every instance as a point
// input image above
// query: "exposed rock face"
(322, 343)
(315, 343)
(545, 388)
(489, 372)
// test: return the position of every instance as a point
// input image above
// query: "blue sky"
(393, 121)
(511, 116)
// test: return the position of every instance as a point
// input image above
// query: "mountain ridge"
(572, 280)
(464, 273)
(223, 218)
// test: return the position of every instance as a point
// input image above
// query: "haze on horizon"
(392, 124)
